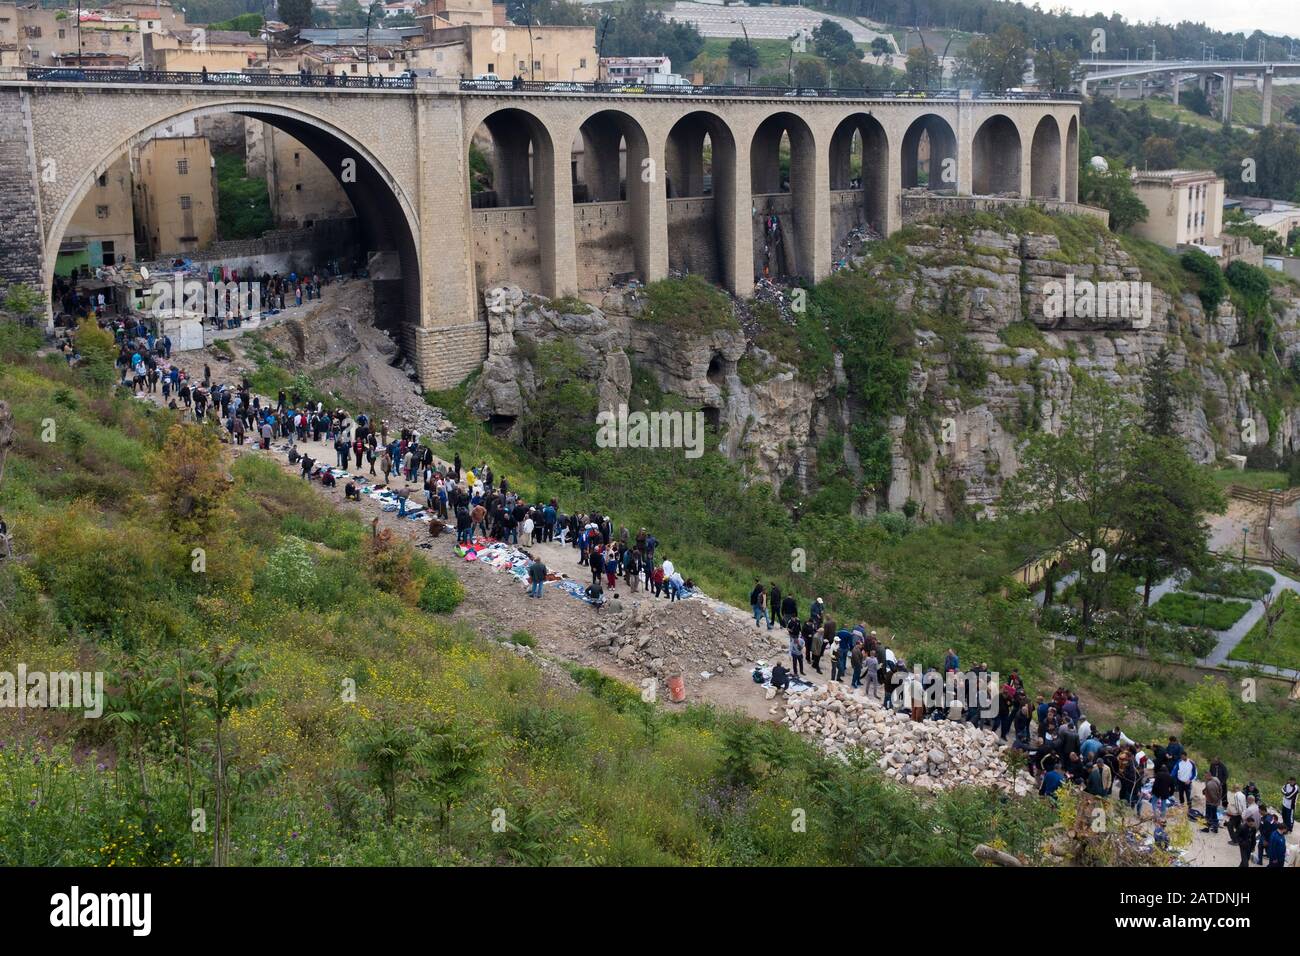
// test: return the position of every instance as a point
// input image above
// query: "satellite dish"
(144, 273)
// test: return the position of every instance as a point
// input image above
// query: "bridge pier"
(1229, 80)
(1266, 98)
(1175, 83)
(22, 232)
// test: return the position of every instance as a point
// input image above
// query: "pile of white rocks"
(927, 754)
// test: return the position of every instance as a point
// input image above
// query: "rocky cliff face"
(958, 440)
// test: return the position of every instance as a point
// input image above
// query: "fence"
(69, 74)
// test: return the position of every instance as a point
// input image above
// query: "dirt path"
(567, 629)
(496, 603)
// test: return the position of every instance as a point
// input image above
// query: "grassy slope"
(587, 774)
(1165, 109)
(1284, 649)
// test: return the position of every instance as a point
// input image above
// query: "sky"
(1272, 16)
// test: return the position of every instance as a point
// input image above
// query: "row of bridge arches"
(613, 181)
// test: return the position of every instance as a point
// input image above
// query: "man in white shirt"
(1085, 730)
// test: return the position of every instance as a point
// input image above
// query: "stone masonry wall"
(21, 256)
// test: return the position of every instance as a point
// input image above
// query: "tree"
(923, 70)
(1212, 288)
(998, 61)
(641, 31)
(879, 48)
(1158, 394)
(296, 13)
(810, 73)
(1111, 189)
(1165, 496)
(190, 480)
(1056, 69)
(1208, 716)
(835, 44)
(23, 301)
(1077, 479)
(1196, 101)
(742, 54)
(1159, 152)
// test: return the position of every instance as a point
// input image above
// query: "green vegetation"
(1166, 110)
(1282, 647)
(1231, 581)
(1257, 479)
(689, 305)
(1216, 614)
(1210, 285)
(357, 728)
(243, 204)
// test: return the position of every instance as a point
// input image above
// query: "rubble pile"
(849, 251)
(927, 754)
(703, 638)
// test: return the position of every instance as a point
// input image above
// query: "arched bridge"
(584, 186)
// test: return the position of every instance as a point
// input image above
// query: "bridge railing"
(76, 74)
(655, 89)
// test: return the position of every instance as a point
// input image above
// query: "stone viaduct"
(694, 181)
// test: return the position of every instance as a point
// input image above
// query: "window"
(62, 34)
(297, 187)
(537, 64)
(101, 212)
(109, 251)
(297, 159)
(33, 33)
(492, 68)
(183, 167)
(103, 179)
(582, 63)
(185, 202)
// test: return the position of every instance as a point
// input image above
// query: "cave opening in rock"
(716, 372)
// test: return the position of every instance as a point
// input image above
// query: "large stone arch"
(615, 174)
(702, 205)
(389, 227)
(935, 167)
(873, 175)
(514, 235)
(996, 157)
(785, 220)
(1045, 160)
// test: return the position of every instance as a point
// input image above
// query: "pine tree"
(1158, 395)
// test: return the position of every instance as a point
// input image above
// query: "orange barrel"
(676, 682)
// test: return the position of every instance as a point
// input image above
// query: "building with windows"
(633, 69)
(544, 53)
(102, 231)
(175, 198)
(1184, 206)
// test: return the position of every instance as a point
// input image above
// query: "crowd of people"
(1062, 747)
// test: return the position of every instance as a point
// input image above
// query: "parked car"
(628, 88)
(807, 91)
(487, 81)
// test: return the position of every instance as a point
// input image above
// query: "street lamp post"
(370, 10)
(749, 70)
(1244, 529)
